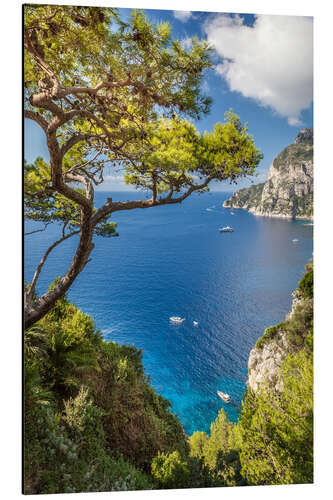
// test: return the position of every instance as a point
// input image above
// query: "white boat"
(176, 319)
(232, 213)
(224, 397)
(295, 240)
(195, 323)
(226, 229)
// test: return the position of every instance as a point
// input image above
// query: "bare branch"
(43, 260)
(86, 183)
(38, 230)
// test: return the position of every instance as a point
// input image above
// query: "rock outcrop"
(288, 191)
(288, 337)
(264, 363)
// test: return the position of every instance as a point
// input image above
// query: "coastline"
(271, 215)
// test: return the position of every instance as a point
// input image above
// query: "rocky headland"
(288, 191)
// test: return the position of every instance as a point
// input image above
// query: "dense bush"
(67, 452)
(306, 284)
(277, 428)
(137, 421)
(219, 451)
(269, 334)
(92, 420)
(170, 470)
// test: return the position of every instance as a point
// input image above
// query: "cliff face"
(264, 363)
(288, 337)
(288, 191)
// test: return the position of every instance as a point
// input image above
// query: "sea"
(173, 261)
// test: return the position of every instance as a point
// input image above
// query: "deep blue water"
(173, 261)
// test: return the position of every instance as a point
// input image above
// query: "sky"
(262, 70)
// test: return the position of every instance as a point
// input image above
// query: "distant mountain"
(288, 191)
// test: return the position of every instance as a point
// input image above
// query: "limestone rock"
(264, 363)
(288, 191)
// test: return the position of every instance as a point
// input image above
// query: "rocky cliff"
(288, 337)
(288, 191)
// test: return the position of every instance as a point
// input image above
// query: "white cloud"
(293, 121)
(182, 15)
(271, 61)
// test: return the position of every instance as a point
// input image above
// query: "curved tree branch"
(43, 260)
(38, 230)
(37, 118)
(117, 206)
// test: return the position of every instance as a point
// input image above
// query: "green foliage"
(306, 284)
(43, 204)
(170, 471)
(92, 420)
(197, 443)
(299, 324)
(67, 453)
(295, 154)
(219, 452)
(247, 197)
(222, 437)
(138, 422)
(269, 334)
(277, 428)
(179, 154)
(71, 352)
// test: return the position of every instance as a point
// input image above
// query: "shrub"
(102, 423)
(269, 334)
(197, 443)
(170, 471)
(277, 428)
(306, 284)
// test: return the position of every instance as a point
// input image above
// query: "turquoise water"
(173, 261)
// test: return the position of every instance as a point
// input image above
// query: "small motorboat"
(176, 319)
(295, 240)
(226, 229)
(224, 397)
(195, 323)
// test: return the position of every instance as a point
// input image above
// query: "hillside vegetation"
(246, 197)
(94, 423)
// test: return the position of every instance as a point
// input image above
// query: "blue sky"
(262, 69)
